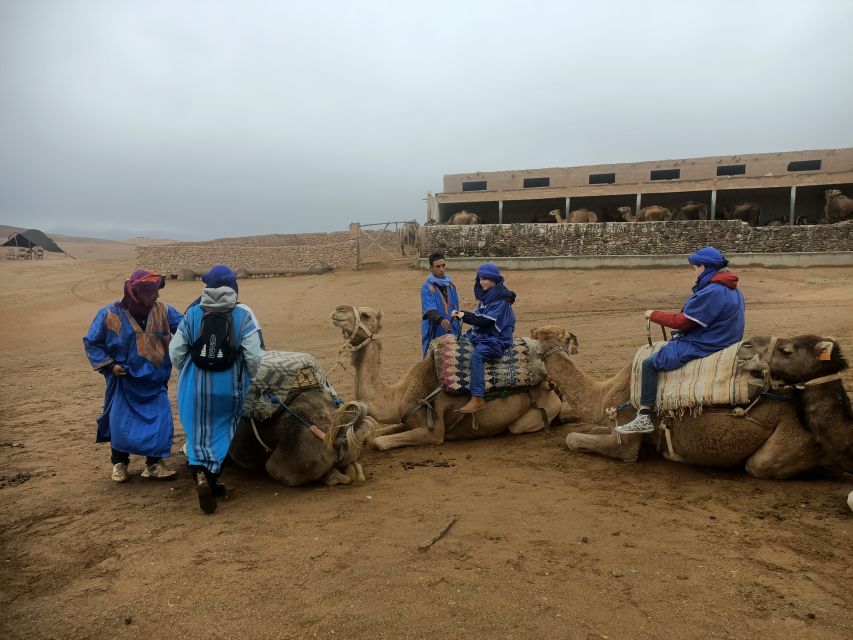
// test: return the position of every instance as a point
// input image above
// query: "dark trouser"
(211, 477)
(649, 383)
(482, 351)
(121, 456)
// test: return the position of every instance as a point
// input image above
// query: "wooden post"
(713, 204)
(791, 213)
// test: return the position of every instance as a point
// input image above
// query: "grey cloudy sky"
(202, 119)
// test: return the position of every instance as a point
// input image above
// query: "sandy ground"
(548, 544)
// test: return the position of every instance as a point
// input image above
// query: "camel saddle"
(282, 375)
(712, 380)
(520, 367)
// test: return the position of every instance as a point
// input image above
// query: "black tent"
(32, 238)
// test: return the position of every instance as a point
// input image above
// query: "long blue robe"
(431, 298)
(137, 418)
(210, 403)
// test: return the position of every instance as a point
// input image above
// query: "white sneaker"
(157, 470)
(119, 472)
(641, 424)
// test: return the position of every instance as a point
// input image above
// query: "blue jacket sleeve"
(95, 343)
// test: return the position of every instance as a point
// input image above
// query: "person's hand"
(445, 324)
(119, 370)
(648, 313)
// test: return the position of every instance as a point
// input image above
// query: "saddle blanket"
(518, 368)
(282, 374)
(712, 380)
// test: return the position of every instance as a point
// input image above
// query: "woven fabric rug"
(519, 367)
(712, 380)
(283, 373)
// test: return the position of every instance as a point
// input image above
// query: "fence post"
(355, 229)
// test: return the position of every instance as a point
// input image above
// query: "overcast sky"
(203, 119)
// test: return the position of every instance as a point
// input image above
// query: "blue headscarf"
(712, 259)
(218, 276)
(490, 272)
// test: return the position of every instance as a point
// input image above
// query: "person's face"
(438, 268)
(697, 269)
(149, 297)
(486, 284)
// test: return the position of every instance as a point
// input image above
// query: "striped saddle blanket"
(283, 374)
(519, 367)
(712, 380)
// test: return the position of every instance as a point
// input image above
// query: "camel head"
(356, 323)
(794, 360)
(627, 214)
(351, 424)
(829, 194)
(553, 337)
(555, 213)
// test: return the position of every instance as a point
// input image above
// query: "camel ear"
(823, 350)
(379, 316)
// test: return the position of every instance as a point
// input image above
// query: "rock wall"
(622, 238)
(249, 253)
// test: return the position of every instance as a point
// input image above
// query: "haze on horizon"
(199, 120)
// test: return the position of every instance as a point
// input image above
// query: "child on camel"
(492, 325)
(711, 320)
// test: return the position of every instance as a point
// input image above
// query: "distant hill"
(92, 248)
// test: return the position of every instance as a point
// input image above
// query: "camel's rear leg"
(390, 429)
(789, 450)
(607, 445)
(410, 438)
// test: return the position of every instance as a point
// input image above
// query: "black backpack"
(213, 350)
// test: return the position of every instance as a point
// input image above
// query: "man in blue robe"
(438, 302)
(492, 326)
(128, 344)
(712, 319)
(210, 403)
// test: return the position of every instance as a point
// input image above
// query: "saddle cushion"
(519, 367)
(712, 380)
(283, 374)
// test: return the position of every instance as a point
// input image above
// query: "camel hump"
(708, 381)
(283, 374)
(520, 367)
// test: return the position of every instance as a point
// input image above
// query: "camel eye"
(786, 350)
(746, 345)
(364, 315)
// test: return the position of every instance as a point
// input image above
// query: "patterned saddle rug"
(519, 367)
(283, 374)
(712, 380)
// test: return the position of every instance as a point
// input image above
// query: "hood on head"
(218, 299)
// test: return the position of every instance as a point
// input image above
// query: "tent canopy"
(32, 238)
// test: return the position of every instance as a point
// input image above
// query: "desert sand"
(548, 544)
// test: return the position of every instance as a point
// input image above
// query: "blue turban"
(220, 276)
(710, 257)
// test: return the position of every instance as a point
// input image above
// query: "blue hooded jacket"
(493, 320)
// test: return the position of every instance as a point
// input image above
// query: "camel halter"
(359, 326)
(554, 350)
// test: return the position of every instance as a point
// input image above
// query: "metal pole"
(568, 204)
(793, 204)
(500, 211)
(713, 204)
(639, 203)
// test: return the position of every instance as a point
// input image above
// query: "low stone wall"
(173, 259)
(627, 239)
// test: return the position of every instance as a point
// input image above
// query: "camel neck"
(587, 397)
(825, 410)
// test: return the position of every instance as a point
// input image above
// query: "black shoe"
(218, 490)
(206, 495)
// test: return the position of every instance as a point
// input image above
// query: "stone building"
(786, 185)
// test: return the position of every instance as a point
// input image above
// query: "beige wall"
(763, 165)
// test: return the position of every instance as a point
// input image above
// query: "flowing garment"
(210, 403)
(137, 418)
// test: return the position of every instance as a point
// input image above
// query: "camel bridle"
(359, 326)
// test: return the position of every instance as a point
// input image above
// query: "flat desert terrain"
(548, 544)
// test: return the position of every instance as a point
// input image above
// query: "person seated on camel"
(711, 320)
(492, 324)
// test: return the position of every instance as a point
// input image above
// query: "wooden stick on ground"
(426, 545)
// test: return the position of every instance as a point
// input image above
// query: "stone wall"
(251, 253)
(627, 239)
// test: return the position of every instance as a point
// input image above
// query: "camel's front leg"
(421, 435)
(789, 450)
(607, 445)
(355, 472)
(390, 429)
(333, 477)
